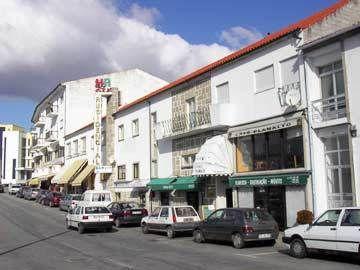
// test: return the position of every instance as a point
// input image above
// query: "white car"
(97, 197)
(14, 188)
(336, 230)
(171, 219)
(89, 216)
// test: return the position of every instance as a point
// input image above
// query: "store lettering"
(276, 181)
(264, 129)
(103, 85)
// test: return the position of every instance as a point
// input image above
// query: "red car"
(52, 199)
(127, 213)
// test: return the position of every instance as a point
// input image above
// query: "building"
(15, 160)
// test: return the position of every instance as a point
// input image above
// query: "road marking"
(254, 255)
(128, 266)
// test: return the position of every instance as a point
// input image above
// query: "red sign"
(103, 85)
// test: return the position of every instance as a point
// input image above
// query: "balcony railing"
(52, 111)
(329, 108)
(336, 200)
(40, 122)
(38, 143)
(51, 136)
(183, 123)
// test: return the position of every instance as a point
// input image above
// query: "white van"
(100, 197)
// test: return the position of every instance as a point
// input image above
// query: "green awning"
(178, 183)
(269, 180)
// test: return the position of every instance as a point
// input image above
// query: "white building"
(15, 161)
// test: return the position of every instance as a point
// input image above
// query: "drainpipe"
(309, 134)
(150, 147)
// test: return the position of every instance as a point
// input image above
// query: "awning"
(275, 123)
(178, 183)
(139, 183)
(66, 175)
(269, 180)
(46, 177)
(34, 181)
(214, 158)
(89, 169)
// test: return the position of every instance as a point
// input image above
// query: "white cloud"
(44, 42)
(238, 36)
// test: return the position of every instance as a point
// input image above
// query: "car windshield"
(96, 210)
(185, 212)
(101, 197)
(256, 215)
(130, 205)
(76, 197)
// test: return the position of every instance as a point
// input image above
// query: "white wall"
(13, 151)
(352, 60)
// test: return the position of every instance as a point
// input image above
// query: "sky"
(44, 42)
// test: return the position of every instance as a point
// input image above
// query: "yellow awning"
(82, 175)
(34, 182)
(72, 171)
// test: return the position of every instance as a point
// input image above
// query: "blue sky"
(196, 22)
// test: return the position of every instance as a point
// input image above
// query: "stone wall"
(345, 17)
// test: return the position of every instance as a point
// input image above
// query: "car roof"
(90, 204)
(341, 208)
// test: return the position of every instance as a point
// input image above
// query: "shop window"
(264, 79)
(136, 170)
(122, 172)
(211, 188)
(187, 161)
(282, 149)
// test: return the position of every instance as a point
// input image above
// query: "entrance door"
(192, 198)
(164, 198)
(273, 200)
(229, 198)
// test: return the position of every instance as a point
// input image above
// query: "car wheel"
(198, 236)
(118, 222)
(67, 225)
(145, 228)
(170, 232)
(298, 248)
(81, 228)
(238, 241)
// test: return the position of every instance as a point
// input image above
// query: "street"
(34, 237)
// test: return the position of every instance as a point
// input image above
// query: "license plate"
(265, 235)
(136, 212)
(188, 219)
(105, 218)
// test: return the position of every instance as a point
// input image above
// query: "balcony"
(331, 110)
(51, 136)
(38, 143)
(40, 122)
(52, 111)
(184, 124)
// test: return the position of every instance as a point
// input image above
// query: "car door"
(210, 225)
(322, 233)
(225, 225)
(348, 232)
(72, 217)
(154, 218)
(164, 218)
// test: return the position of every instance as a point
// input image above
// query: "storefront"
(174, 191)
(84, 180)
(132, 191)
(271, 170)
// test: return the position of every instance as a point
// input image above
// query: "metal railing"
(182, 123)
(340, 200)
(51, 136)
(329, 108)
(52, 110)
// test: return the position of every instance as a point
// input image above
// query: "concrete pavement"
(34, 237)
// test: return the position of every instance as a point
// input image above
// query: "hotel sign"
(269, 180)
(103, 86)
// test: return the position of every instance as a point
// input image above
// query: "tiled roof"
(300, 25)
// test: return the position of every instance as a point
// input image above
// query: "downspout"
(150, 147)
(309, 134)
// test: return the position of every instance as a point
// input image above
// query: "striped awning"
(89, 169)
(34, 182)
(69, 172)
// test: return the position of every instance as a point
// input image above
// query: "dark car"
(127, 213)
(31, 193)
(21, 191)
(52, 199)
(41, 195)
(238, 225)
(69, 201)
(2, 188)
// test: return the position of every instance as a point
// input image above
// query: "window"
(68, 150)
(83, 145)
(76, 147)
(351, 217)
(14, 168)
(136, 170)
(264, 79)
(101, 197)
(290, 71)
(96, 210)
(164, 212)
(122, 172)
(121, 132)
(185, 211)
(216, 216)
(156, 212)
(329, 218)
(135, 127)
(92, 142)
(222, 93)
(187, 161)
(119, 98)
(154, 169)
(191, 112)
(281, 149)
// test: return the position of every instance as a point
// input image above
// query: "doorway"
(192, 198)
(229, 198)
(273, 200)
(164, 198)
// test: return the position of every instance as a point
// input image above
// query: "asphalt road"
(33, 236)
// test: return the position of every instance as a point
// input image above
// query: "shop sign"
(270, 180)
(97, 129)
(103, 86)
(103, 169)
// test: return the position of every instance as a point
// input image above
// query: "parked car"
(31, 193)
(14, 188)
(238, 225)
(99, 197)
(69, 201)
(41, 195)
(335, 230)
(21, 191)
(171, 219)
(89, 216)
(127, 213)
(2, 189)
(52, 199)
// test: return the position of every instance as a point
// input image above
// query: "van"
(100, 197)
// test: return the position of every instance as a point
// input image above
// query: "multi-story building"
(15, 159)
